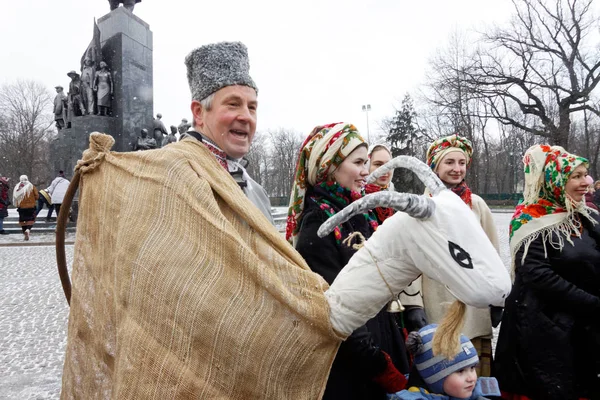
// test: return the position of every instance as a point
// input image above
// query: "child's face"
(461, 383)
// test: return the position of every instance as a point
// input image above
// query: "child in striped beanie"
(445, 379)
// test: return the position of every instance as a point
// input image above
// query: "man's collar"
(219, 153)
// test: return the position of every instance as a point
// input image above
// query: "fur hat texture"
(217, 65)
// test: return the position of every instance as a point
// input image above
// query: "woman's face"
(378, 158)
(452, 168)
(352, 171)
(576, 185)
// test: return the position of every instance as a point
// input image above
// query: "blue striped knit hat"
(435, 369)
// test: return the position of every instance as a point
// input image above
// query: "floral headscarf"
(322, 152)
(440, 148)
(445, 145)
(545, 208)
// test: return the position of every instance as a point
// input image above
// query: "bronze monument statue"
(170, 138)
(60, 107)
(128, 4)
(87, 78)
(103, 86)
(74, 102)
(159, 130)
(144, 142)
(183, 127)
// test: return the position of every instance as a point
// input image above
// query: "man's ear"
(197, 113)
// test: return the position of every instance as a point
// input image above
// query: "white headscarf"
(22, 190)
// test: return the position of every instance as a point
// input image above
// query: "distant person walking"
(24, 197)
(4, 202)
(45, 199)
(57, 190)
(589, 196)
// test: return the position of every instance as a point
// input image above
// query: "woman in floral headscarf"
(24, 198)
(378, 156)
(449, 157)
(330, 174)
(549, 343)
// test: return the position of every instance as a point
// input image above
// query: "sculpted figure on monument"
(60, 107)
(74, 101)
(183, 127)
(103, 86)
(128, 4)
(170, 138)
(144, 142)
(159, 130)
(87, 79)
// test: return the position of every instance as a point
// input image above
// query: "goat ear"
(422, 170)
(416, 206)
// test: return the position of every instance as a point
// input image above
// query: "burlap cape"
(183, 289)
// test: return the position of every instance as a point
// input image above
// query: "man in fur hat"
(207, 301)
(224, 104)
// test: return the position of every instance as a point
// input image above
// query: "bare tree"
(25, 129)
(544, 64)
(285, 146)
(258, 158)
(454, 107)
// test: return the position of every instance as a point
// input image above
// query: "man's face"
(231, 122)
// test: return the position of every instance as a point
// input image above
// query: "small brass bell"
(395, 306)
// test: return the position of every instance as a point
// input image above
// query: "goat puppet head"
(437, 236)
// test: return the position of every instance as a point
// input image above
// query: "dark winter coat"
(596, 198)
(359, 358)
(549, 343)
(4, 200)
(589, 201)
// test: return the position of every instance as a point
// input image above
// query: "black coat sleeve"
(321, 254)
(537, 272)
(323, 257)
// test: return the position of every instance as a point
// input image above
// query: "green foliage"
(406, 138)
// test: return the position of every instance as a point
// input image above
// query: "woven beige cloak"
(183, 289)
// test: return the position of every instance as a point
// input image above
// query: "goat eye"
(460, 255)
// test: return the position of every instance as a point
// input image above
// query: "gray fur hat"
(216, 65)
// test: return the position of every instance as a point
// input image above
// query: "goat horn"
(422, 170)
(417, 206)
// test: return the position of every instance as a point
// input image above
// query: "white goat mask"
(437, 236)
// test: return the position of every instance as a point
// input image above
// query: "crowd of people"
(549, 341)
(29, 201)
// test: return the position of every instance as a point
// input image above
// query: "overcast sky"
(314, 62)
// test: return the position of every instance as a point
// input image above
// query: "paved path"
(33, 319)
(33, 322)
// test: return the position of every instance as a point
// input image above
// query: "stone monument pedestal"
(126, 42)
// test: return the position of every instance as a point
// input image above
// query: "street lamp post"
(366, 108)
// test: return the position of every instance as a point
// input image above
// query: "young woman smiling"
(549, 342)
(449, 157)
(378, 156)
(330, 174)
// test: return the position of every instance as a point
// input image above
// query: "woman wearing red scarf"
(549, 342)
(449, 157)
(330, 174)
(378, 156)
